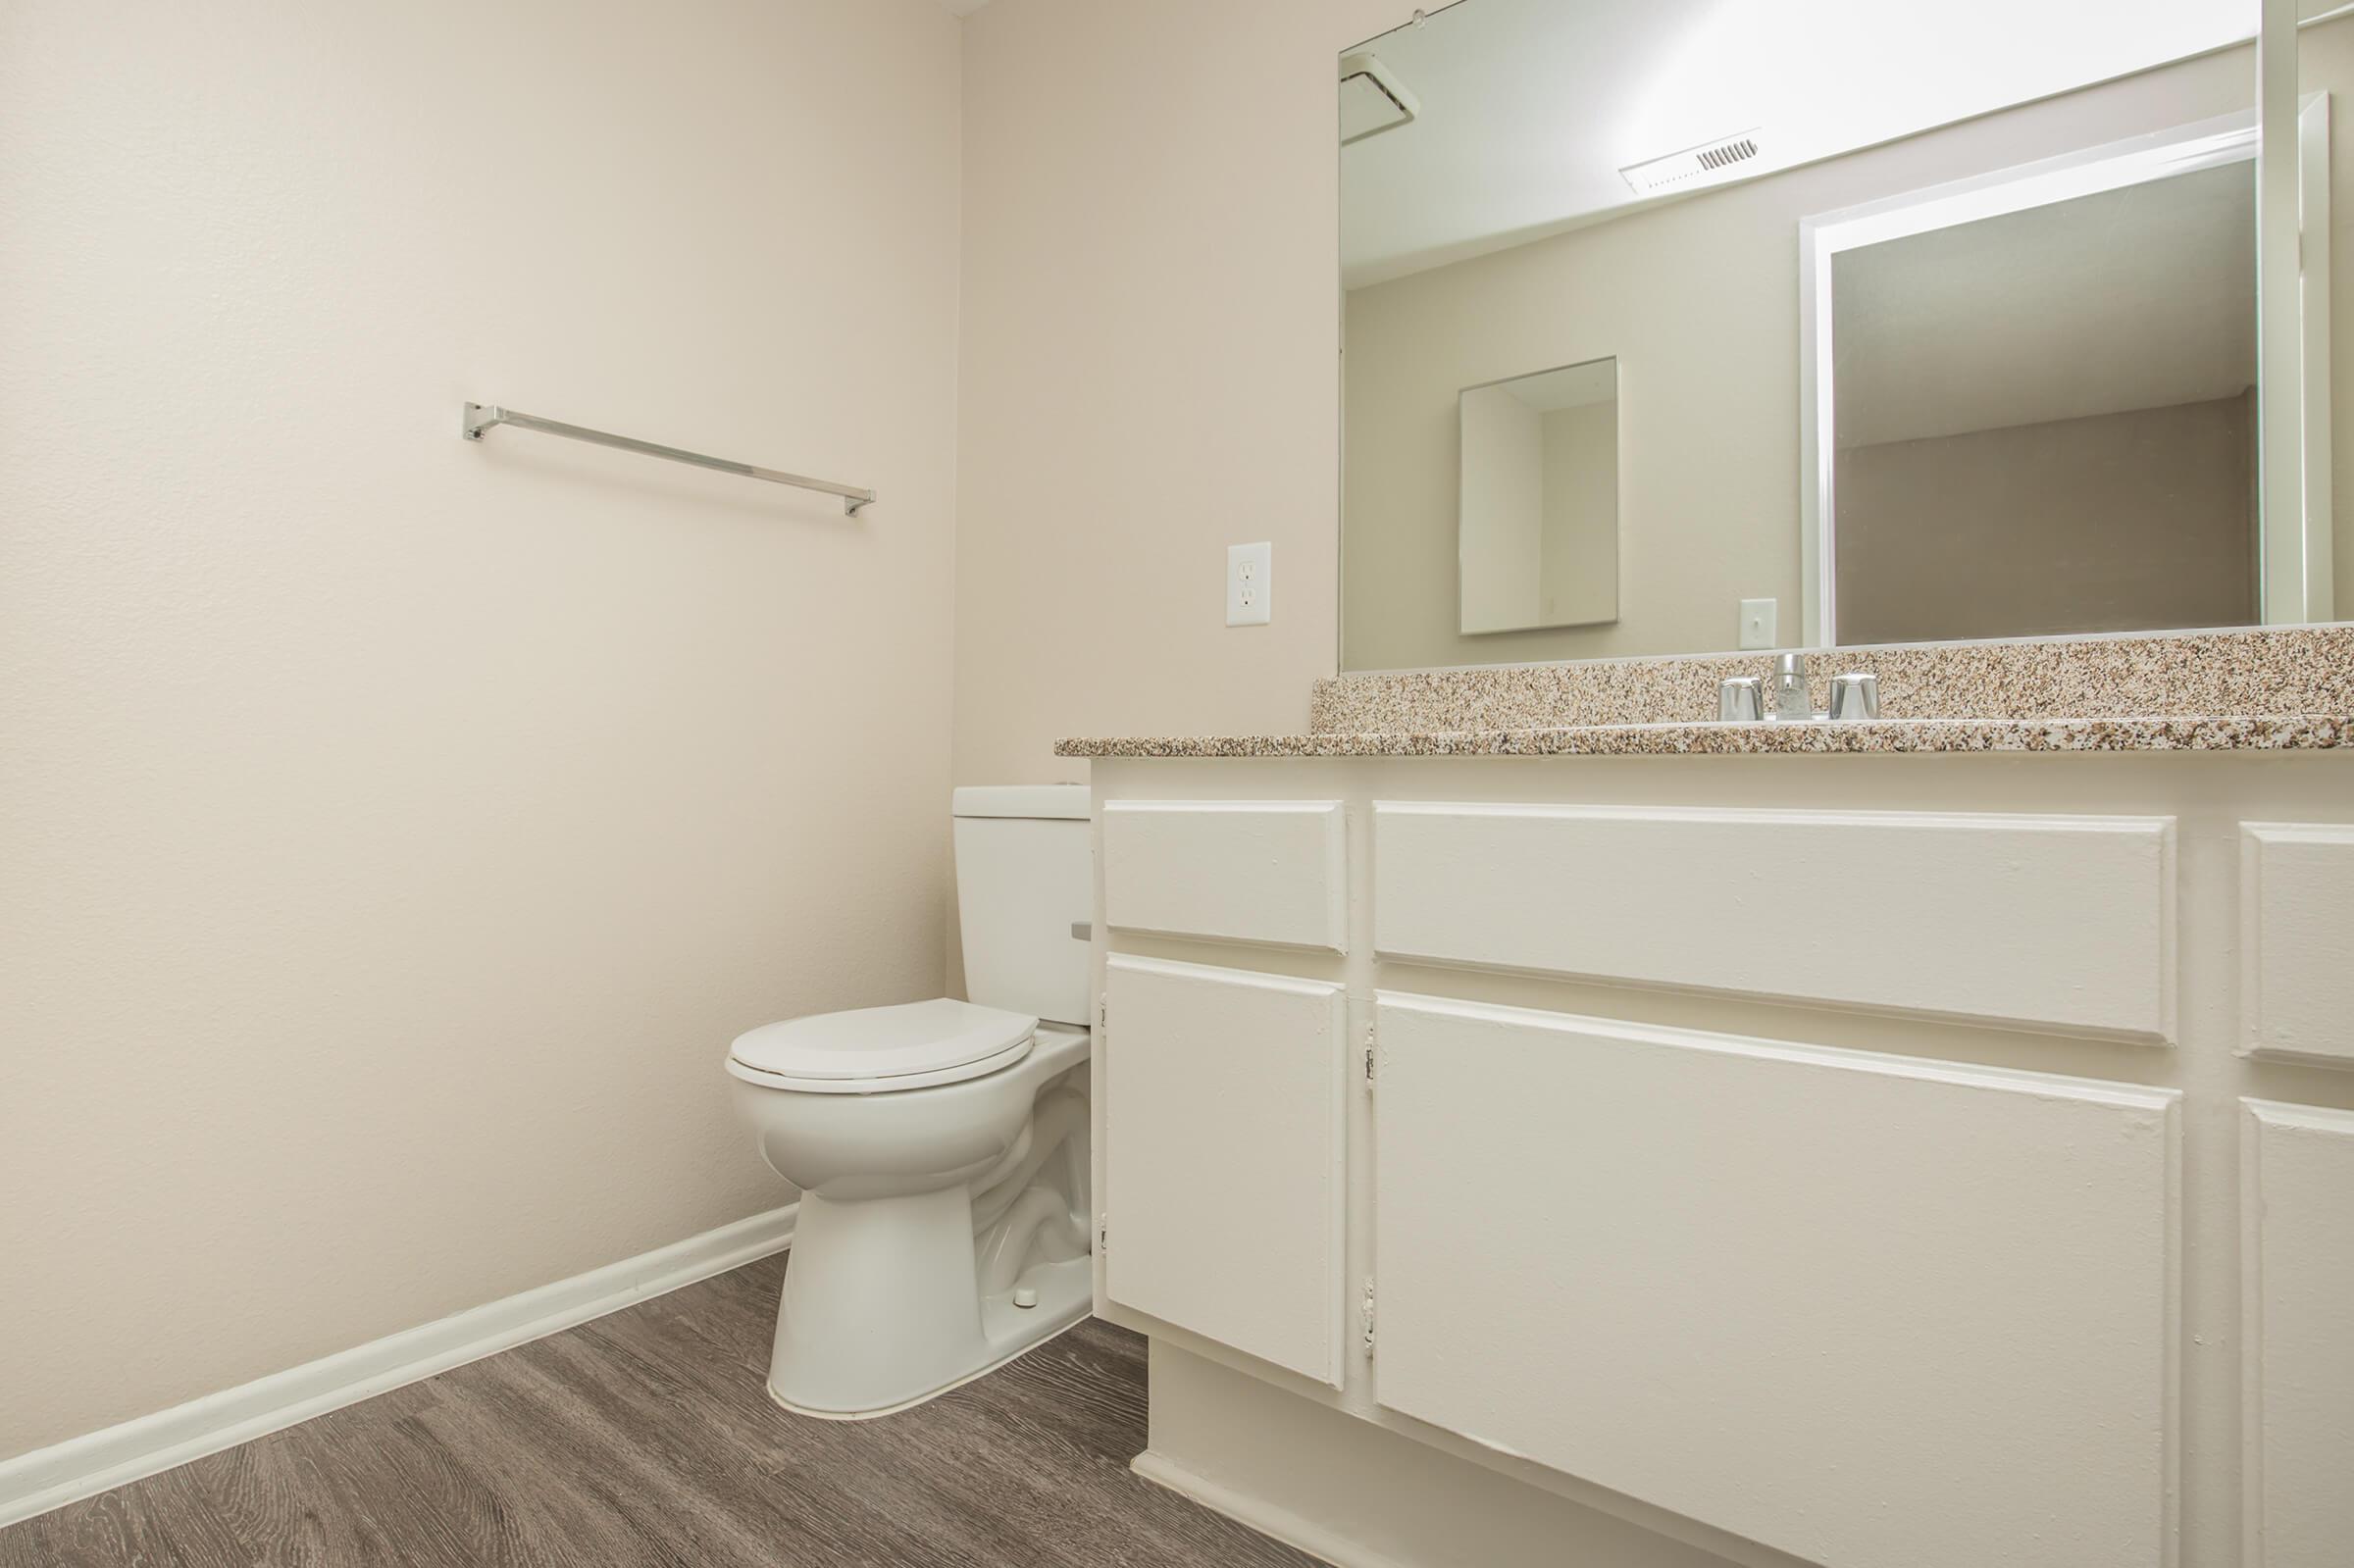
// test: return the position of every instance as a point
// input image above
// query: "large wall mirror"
(1687, 325)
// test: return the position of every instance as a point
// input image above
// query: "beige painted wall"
(1152, 309)
(1700, 301)
(2129, 522)
(395, 829)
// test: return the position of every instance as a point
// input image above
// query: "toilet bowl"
(941, 1146)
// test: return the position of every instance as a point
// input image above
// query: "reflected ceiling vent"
(1695, 166)
(1372, 99)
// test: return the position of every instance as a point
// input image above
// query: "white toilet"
(941, 1146)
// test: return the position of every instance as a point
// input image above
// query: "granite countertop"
(2273, 689)
(2292, 732)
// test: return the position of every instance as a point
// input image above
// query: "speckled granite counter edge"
(2279, 671)
(2296, 731)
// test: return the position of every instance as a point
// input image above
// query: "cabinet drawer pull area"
(1267, 872)
(2057, 924)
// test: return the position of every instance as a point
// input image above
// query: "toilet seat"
(872, 1051)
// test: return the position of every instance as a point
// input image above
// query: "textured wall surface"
(1151, 367)
(395, 831)
(2139, 521)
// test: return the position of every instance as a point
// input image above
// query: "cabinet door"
(1223, 1158)
(2297, 1258)
(1868, 1309)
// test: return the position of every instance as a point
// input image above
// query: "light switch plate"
(1758, 618)
(1250, 585)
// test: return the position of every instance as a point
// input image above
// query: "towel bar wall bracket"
(479, 417)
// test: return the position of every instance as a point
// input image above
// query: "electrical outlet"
(1250, 585)
(1756, 623)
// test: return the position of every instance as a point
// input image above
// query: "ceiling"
(1529, 108)
(2142, 297)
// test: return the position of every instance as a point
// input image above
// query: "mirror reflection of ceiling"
(1529, 109)
(2047, 314)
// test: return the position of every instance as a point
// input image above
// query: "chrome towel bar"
(479, 417)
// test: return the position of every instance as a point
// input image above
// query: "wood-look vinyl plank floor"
(648, 1438)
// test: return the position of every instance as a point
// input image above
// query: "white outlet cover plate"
(1758, 616)
(1250, 585)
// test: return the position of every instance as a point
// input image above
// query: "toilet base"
(882, 1306)
(1066, 1299)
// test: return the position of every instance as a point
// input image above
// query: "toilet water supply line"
(1005, 1192)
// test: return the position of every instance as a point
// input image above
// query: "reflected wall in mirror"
(1537, 509)
(2039, 412)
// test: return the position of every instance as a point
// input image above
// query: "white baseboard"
(1266, 1517)
(81, 1467)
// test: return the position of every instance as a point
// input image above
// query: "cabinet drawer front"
(1270, 872)
(2296, 907)
(1862, 1308)
(2296, 1257)
(2049, 923)
(1223, 1156)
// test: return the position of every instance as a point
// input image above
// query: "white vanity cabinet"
(2297, 1261)
(2063, 922)
(1830, 1300)
(1223, 1133)
(1861, 1162)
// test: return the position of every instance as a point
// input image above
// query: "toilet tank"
(1023, 884)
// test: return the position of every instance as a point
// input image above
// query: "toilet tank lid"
(1066, 801)
(885, 1042)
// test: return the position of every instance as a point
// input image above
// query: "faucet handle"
(1740, 700)
(1855, 695)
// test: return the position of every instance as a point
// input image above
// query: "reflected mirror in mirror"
(1924, 323)
(2112, 490)
(1536, 511)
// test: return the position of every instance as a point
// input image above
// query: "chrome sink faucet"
(1743, 698)
(1790, 699)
